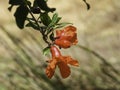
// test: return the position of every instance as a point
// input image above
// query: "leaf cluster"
(36, 15)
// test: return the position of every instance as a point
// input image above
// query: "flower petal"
(67, 37)
(72, 61)
(51, 68)
(55, 52)
(63, 43)
(50, 72)
(59, 33)
(70, 28)
(64, 69)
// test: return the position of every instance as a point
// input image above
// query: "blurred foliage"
(28, 70)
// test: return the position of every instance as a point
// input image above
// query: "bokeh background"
(22, 63)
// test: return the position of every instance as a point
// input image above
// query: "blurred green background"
(22, 63)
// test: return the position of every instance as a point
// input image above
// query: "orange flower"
(66, 37)
(61, 62)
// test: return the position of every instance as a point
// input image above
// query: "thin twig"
(41, 30)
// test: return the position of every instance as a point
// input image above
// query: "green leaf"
(45, 19)
(28, 3)
(35, 3)
(20, 16)
(45, 0)
(43, 5)
(33, 25)
(58, 19)
(55, 20)
(60, 25)
(46, 50)
(16, 2)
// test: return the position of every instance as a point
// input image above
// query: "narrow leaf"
(55, 19)
(33, 25)
(58, 19)
(60, 25)
(45, 19)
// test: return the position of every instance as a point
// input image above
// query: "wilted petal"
(64, 69)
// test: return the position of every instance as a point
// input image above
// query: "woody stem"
(40, 29)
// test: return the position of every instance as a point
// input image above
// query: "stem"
(45, 39)
(40, 29)
(34, 19)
